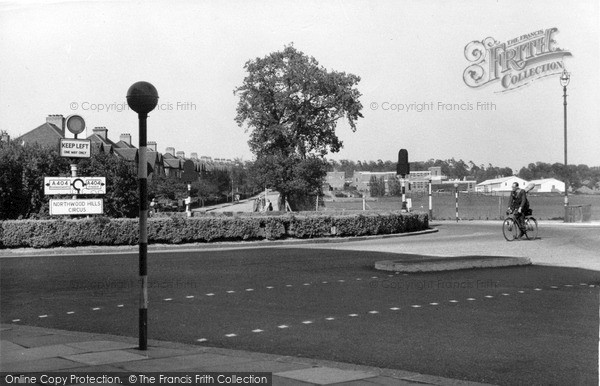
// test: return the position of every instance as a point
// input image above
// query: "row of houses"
(167, 164)
(418, 181)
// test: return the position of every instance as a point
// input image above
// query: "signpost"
(75, 148)
(74, 185)
(70, 207)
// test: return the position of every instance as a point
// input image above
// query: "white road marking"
(353, 315)
(470, 299)
(415, 306)
(95, 308)
(202, 340)
(270, 287)
(329, 318)
(121, 305)
(434, 304)
(394, 308)
(453, 301)
(373, 312)
(168, 299)
(307, 322)
(282, 326)
(70, 312)
(43, 316)
(489, 296)
(257, 330)
(190, 297)
(249, 289)
(16, 320)
(211, 294)
(230, 335)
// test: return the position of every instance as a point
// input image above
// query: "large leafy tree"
(291, 106)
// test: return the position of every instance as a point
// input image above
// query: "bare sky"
(76, 57)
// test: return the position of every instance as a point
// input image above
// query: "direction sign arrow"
(74, 185)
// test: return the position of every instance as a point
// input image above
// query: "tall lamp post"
(142, 97)
(564, 81)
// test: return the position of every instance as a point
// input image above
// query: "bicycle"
(510, 229)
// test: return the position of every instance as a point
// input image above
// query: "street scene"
(316, 193)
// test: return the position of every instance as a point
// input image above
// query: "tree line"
(578, 175)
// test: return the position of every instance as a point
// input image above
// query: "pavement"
(27, 349)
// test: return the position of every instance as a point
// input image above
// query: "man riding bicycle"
(518, 205)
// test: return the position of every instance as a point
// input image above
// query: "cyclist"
(518, 205)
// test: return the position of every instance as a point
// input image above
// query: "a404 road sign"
(74, 185)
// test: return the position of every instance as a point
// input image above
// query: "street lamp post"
(564, 81)
(142, 97)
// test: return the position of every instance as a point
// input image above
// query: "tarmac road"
(533, 325)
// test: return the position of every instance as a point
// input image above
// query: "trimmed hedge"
(177, 230)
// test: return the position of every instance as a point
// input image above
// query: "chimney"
(152, 146)
(101, 132)
(170, 150)
(194, 156)
(126, 137)
(181, 154)
(57, 120)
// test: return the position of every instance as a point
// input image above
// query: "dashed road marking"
(329, 318)
(70, 312)
(373, 312)
(353, 315)
(168, 299)
(283, 326)
(394, 308)
(230, 335)
(257, 330)
(189, 297)
(202, 340)
(43, 316)
(307, 322)
(470, 299)
(96, 309)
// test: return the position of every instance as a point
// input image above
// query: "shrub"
(176, 230)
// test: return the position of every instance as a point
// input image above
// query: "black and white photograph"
(263, 192)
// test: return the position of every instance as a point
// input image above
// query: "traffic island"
(414, 263)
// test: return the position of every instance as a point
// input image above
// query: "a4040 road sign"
(74, 185)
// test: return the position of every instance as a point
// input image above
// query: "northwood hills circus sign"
(514, 63)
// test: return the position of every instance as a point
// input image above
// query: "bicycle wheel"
(510, 230)
(531, 227)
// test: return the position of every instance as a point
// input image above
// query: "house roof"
(540, 181)
(126, 153)
(173, 163)
(124, 145)
(45, 135)
(500, 180)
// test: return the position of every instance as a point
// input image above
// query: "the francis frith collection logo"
(514, 63)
